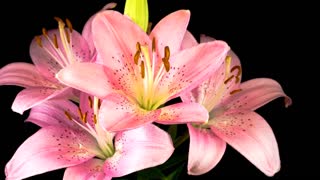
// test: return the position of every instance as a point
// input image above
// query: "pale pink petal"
(90, 170)
(256, 93)
(192, 66)
(49, 59)
(30, 97)
(24, 75)
(119, 113)
(137, 149)
(49, 149)
(251, 135)
(188, 41)
(53, 113)
(87, 35)
(88, 77)
(120, 35)
(181, 113)
(205, 150)
(170, 31)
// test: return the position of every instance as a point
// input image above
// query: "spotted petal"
(49, 149)
(249, 134)
(137, 149)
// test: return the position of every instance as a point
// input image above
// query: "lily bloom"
(50, 52)
(232, 119)
(137, 73)
(71, 137)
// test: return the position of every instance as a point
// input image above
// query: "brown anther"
(235, 91)
(138, 46)
(136, 57)
(68, 115)
(166, 64)
(45, 32)
(238, 72)
(99, 103)
(153, 44)
(59, 20)
(142, 69)
(90, 102)
(68, 36)
(229, 79)
(55, 41)
(69, 25)
(167, 52)
(38, 40)
(80, 113)
(95, 119)
(84, 117)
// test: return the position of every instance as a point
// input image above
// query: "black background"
(270, 39)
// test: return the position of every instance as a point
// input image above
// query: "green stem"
(181, 139)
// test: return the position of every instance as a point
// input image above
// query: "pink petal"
(205, 150)
(119, 113)
(170, 31)
(23, 74)
(90, 170)
(120, 35)
(30, 97)
(251, 135)
(49, 59)
(49, 149)
(137, 149)
(188, 41)
(88, 77)
(192, 66)
(52, 113)
(181, 113)
(256, 93)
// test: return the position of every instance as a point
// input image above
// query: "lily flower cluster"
(100, 98)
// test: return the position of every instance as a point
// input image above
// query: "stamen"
(99, 103)
(45, 32)
(136, 57)
(84, 117)
(80, 113)
(90, 102)
(229, 79)
(68, 36)
(138, 46)
(167, 52)
(95, 119)
(153, 44)
(68, 115)
(69, 25)
(235, 91)
(55, 41)
(38, 41)
(59, 20)
(142, 69)
(238, 73)
(166, 64)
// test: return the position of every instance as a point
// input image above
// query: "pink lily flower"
(232, 119)
(50, 52)
(71, 137)
(137, 73)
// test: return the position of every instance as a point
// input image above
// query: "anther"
(80, 113)
(238, 73)
(138, 46)
(68, 36)
(90, 102)
(229, 79)
(59, 20)
(84, 117)
(167, 52)
(99, 103)
(68, 115)
(166, 64)
(235, 91)
(153, 44)
(69, 25)
(95, 119)
(55, 41)
(45, 32)
(142, 69)
(136, 57)
(38, 41)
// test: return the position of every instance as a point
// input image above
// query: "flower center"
(88, 121)
(150, 75)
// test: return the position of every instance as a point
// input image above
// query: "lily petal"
(30, 97)
(49, 149)
(52, 113)
(24, 75)
(50, 59)
(256, 93)
(137, 149)
(249, 134)
(170, 31)
(181, 113)
(118, 113)
(90, 170)
(190, 67)
(188, 41)
(88, 77)
(205, 150)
